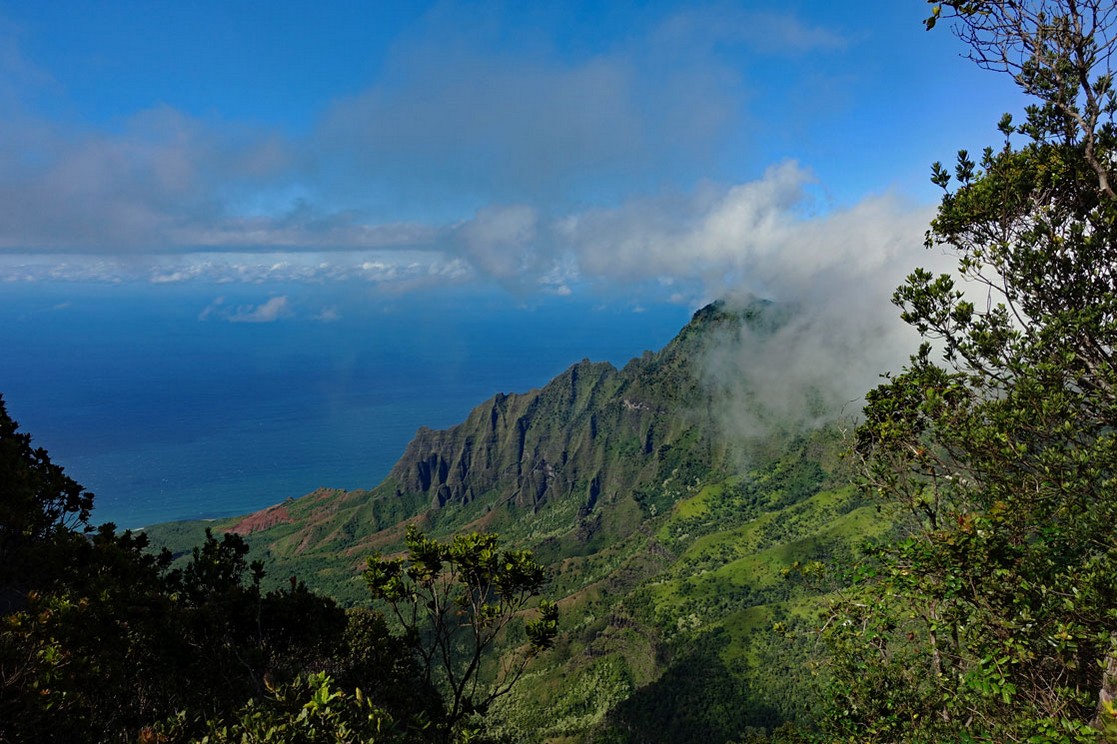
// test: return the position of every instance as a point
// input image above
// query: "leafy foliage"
(454, 600)
(39, 503)
(101, 641)
(307, 711)
(994, 618)
(641, 594)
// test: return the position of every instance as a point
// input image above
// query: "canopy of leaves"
(100, 641)
(995, 617)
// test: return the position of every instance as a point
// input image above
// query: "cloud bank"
(772, 237)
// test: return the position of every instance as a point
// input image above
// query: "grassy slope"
(688, 652)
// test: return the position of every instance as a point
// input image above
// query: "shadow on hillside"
(698, 699)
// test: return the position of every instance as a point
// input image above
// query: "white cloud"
(214, 307)
(779, 34)
(267, 312)
(471, 111)
(772, 237)
(461, 117)
(122, 192)
(501, 241)
(835, 269)
(420, 267)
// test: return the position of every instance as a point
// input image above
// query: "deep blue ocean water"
(168, 412)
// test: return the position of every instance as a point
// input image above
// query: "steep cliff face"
(519, 444)
(590, 433)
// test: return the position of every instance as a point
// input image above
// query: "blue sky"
(689, 149)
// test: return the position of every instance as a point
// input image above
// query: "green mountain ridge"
(592, 433)
(671, 545)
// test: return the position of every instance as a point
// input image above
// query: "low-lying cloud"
(271, 310)
(266, 312)
(830, 272)
(774, 238)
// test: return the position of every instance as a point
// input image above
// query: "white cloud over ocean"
(266, 312)
(770, 237)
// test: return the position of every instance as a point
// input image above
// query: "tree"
(994, 616)
(39, 505)
(453, 601)
(77, 607)
(100, 641)
(1057, 51)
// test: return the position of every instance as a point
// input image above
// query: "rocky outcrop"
(522, 445)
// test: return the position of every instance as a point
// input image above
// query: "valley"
(676, 551)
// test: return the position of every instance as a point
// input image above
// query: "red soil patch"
(262, 520)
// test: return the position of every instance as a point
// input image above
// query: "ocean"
(188, 401)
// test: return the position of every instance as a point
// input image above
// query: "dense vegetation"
(102, 640)
(994, 618)
(707, 589)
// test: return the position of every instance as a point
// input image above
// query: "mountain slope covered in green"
(673, 547)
